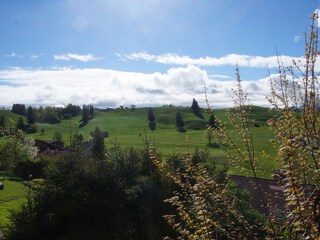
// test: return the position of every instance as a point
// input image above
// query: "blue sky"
(144, 52)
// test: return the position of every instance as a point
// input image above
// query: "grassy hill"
(128, 127)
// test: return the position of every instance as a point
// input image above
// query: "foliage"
(179, 121)
(85, 113)
(195, 107)
(297, 137)
(16, 148)
(74, 110)
(20, 124)
(57, 136)
(31, 115)
(48, 115)
(207, 208)
(91, 111)
(151, 117)
(212, 121)
(133, 107)
(19, 109)
(209, 134)
(2, 121)
(295, 98)
(32, 129)
(82, 198)
(98, 149)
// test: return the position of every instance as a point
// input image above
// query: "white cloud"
(14, 55)
(34, 56)
(73, 56)
(214, 76)
(297, 38)
(231, 59)
(109, 88)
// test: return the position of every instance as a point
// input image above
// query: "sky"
(145, 52)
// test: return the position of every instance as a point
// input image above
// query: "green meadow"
(10, 197)
(128, 127)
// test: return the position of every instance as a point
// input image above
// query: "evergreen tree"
(195, 107)
(91, 111)
(85, 113)
(98, 150)
(2, 121)
(20, 124)
(212, 122)
(31, 115)
(179, 121)
(151, 115)
(19, 109)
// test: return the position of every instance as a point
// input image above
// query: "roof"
(271, 190)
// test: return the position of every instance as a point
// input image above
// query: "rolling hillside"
(129, 127)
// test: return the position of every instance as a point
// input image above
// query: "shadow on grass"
(181, 130)
(83, 124)
(152, 126)
(199, 115)
(213, 145)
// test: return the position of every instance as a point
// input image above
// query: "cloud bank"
(109, 88)
(231, 59)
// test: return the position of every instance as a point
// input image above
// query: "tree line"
(47, 114)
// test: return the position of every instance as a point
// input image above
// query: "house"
(49, 148)
(105, 134)
(84, 147)
(272, 192)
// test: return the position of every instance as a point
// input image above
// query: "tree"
(98, 150)
(19, 109)
(20, 124)
(179, 121)
(57, 137)
(151, 117)
(208, 207)
(31, 115)
(212, 122)
(91, 111)
(209, 134)
(2, 121)
(49, 115)
(133, 107)
(85, 113)
(16, 148)
(74, 110)
(111, 199)
(195, 107)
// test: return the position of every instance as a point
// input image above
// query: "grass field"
(128, 128)
(10, 198)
